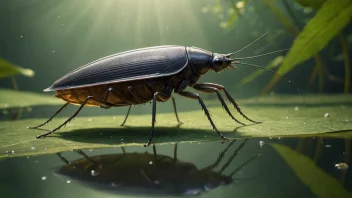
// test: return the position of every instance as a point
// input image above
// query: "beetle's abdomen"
(127, 66)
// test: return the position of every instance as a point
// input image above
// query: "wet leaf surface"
(10, 98)
(104, 131)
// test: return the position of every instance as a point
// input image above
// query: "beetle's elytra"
(144, 75)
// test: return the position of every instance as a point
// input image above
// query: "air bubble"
(43, 178)
(151, 162)
(261, 143)
(296, 108)
(68, 181)
(326, 115)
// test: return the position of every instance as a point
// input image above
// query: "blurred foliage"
(8, 69)
(311, 3)
(319, 182)
(327, 22)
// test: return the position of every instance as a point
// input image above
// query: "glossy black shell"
(136, 64)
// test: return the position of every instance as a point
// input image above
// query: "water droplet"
(89, 119)
(43, 178)
(261, 143)
(114, 117)
(286, 117)
(94, 173)
(32, 148)
(58, 16)
(53, 51)
(101, 133)
(21, 36)
(205, 136)
(279, 138)
(346, 120)
(296, 108)
(90, 149)
(326, 115)
(68, 181)
(328, 146)
(12, 152)
(45, 149)
(6, 152)
(121, 139)
(151, 162)
(341, 166)
(6, 105)
(62, 24)
(156, 182)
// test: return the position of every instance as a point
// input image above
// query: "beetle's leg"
(232, 156)
(46, 122)
(232, 101)
(175, 154)
(175, 110)
(128, 113)
(68, 120)
(63, 159)
(197, 97)
(212, 90)
(163, 97)
(220, 157)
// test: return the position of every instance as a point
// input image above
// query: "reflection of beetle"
(146, 75)
(148, 174)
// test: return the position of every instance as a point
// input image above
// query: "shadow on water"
(141, 134)
(151, 174)
(308, 167)
(312, 167)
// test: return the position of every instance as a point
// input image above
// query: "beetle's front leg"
(206, 111)
(207, 89)
(232, 101)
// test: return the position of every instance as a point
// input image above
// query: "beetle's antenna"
(283, 76)
(249, 57)
(249, 44)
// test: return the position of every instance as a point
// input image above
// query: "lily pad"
(104, 131)
(10, 98)
(319, 182)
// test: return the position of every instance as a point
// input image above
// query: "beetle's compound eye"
(218, 62)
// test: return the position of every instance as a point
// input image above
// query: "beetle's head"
(221, 62)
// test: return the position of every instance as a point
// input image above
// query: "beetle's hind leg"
(206, 111)
(175, 110)
(46, 122)
(212, 90)
(74, 115)
(127, 114)
(232, 101)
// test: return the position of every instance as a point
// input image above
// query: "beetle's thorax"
(200, 60)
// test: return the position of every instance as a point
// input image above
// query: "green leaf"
(320, 183)
(9, 69)
(311, 3)
(273, 64)
(331, 18)
(10, 98)
(104, 131)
